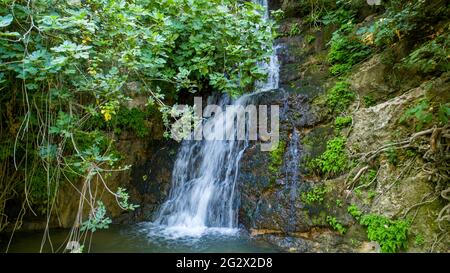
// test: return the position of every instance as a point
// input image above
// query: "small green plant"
(368, 177)
(276, 157)
(345, 51)
(410, 153)
(342, 122)
(369, 101)
(340, 16)
(316, 195)
(419, 240)
(334, 160)
(358, 193)
(444, 113)
(332, 221)
(392, 235)
(392, 156)
(419, 114)
(431, 57)
(371, 194)
(277, 15)
(340, 96)
(355, 242)
(310, 38)
(339, 203)
(294, 30)
(132, 119)
(354, 211)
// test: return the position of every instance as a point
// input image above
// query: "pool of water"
(144, 238)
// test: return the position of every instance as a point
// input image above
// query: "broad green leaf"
(6, 20)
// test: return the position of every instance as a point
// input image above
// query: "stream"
(142, 238)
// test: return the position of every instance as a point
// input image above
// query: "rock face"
(271, 204)
(147, 182)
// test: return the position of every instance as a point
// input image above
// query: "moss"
(276, 157)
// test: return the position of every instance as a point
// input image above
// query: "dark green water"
(141, 238)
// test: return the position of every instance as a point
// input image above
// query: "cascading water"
(203, 194)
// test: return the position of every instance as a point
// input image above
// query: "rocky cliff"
(379, 164)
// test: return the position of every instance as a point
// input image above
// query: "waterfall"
(203, 194)
(292, 174)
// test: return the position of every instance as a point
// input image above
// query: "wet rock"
(317, 241)
(147, 182)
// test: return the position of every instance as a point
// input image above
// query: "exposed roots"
(434, 146)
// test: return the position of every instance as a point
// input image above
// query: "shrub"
(342, 122)
(419, 114)
(431, 57)
(334, 160)
(315, 195)
(132, 119)
(340, 96)
(294, 30)
(392, 156)
(354, 211)
(332, 221)
(392, 235)
(369, 101)
(345, 51)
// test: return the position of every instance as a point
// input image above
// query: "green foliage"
(419, 240)
(339, 203)
(334, 160)
(368, 177)
(340, 96)
(419, 114)
(431, 57)
(316, 195)
(41, 194)
(404, 19)
(313, 10)
(277, 15)
(354, 211)
(390, 234)
(444, 113)
(332, 221)
(122, 197)
(294, 30)
(97, 220)
(342, 122)
(276, 157)
(310, 38)
(68, 69)
(340, 16)
(132, 119)
(345, 51)
(369, 101)
(392, 156)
